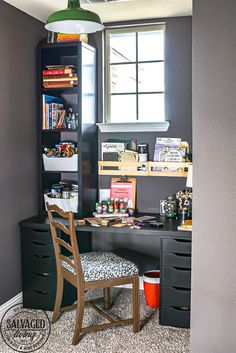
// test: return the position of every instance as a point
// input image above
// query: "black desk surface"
(169, 227)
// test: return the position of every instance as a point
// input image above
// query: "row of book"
(54, 37)
(60, 76)
(53, 113)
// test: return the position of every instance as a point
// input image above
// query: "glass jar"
(170, 207)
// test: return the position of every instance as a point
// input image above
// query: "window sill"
(134, 127)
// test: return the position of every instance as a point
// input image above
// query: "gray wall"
(214, 129)
(20, 34)
(178, 105)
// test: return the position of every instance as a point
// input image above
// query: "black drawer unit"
(39, 279)
(175, 255)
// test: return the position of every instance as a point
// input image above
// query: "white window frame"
(108, 126)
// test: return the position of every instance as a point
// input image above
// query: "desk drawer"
(39, 280)
(39, 263)
(176, 260)
(174, 277)
(174, 296)
(177, 246)
(37, 235)
(174, 316)
(36, 248)
(44, 299)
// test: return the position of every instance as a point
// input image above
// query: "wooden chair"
(88, 271)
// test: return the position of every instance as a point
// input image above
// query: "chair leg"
(57, 306)
(136, 310)
(107, 298)
(79, 317)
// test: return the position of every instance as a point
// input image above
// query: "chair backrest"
(58, 243)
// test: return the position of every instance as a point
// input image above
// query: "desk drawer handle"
(39, 243)
(182, 309)
(42, 256)
(182, 289)
(182, 255)
(182, 269)
(40, 230)
(44, 292)
(42, 274)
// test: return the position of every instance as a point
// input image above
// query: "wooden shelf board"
(147, 172)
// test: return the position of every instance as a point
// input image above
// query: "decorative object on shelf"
(74, 19)
(129, 156)
(170, 150)
(143, 152)
(60, 76)
(72, 120)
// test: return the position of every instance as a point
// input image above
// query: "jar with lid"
(170, 208)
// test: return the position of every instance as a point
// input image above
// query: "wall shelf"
(131, 168)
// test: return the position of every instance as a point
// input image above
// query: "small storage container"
(69, 164)
(151, 283)
(66, 205)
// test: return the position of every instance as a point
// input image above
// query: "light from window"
(134, 74)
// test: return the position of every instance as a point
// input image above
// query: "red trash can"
(151, 282)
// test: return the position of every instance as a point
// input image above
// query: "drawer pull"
(184, 308)
(44, 292)
(183, 289)
(182, 269)
(182, 255)
(44, 274)
(39, 243)
(40, 230)
(42, 256)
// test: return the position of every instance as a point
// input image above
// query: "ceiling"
(110, 11)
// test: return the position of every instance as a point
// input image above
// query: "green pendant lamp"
(73, 20)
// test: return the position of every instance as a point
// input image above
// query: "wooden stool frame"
(79, 283)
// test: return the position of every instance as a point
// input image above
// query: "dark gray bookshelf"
(82, 99)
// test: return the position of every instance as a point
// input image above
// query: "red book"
(60, 76)
(60, 84)
(58, 72)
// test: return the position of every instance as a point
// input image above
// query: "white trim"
(134, 127)
(13, 301)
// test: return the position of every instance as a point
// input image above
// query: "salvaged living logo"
(25, 330)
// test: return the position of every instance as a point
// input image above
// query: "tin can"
(99, 208)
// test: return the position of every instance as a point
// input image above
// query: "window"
(134, 74)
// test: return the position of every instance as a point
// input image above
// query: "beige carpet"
(151, 339)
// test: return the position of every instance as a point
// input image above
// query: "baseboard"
(130, 285)
(13, 301)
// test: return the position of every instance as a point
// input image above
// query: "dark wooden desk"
(142, 246)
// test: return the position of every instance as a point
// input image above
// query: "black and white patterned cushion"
(103, 265)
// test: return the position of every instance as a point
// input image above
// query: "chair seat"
(103, 265)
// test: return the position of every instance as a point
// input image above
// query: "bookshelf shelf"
(131, 168)
(51, 131)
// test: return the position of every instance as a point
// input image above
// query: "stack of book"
(53, 113)
(64, 37)
(60, 76)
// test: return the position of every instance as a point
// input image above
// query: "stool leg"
(136, 304)
(57, 306)
(107, 298)
(79, 317)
